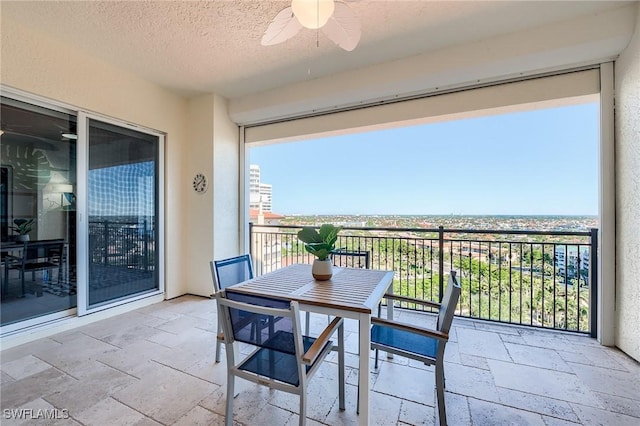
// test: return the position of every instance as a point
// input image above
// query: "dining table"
(350, 293)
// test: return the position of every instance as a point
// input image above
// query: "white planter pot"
(22, 238)
(322, 270)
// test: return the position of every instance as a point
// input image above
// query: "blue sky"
(542, 162)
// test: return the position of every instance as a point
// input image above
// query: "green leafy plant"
(22, 226)
(322, 242)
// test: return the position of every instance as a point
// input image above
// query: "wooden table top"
(357, 290)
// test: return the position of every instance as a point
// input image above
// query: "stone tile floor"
(155, 365)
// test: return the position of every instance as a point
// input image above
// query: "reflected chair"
(351, 259)
(228, 272)
(37, 256)
(419, 343)
(283, 358)
(345, 259)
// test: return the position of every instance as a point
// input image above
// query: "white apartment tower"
(259, 193)
(265, 197)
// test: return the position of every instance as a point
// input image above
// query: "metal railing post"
(106, 243)
(593, 278)
(145, 234)
(250, 242)
(440, 262)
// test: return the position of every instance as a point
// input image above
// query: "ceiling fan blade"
(282, 28)
(343, 27)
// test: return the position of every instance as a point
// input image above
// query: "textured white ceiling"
(194, 47)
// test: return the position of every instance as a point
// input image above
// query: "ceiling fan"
(333, 17)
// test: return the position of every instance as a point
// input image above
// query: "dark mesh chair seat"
(277, 364)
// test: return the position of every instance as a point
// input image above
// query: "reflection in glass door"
(37, 213)
(123, 211)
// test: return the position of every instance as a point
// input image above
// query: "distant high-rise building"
(259, 193)
(265, 196)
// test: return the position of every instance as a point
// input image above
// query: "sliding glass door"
(37, 213)
(123, 211)
(81, 212)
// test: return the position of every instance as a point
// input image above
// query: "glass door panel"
(38, 153)
(123, 211)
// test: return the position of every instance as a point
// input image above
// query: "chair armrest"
(412, 300)
(411, 328)
(311, 355)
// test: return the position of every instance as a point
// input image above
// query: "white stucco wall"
(627, 120)
(226, 178)
(200, 223)
(45, 67)
(213, 215)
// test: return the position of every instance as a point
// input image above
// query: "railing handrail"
(421, 258)
(447, 230)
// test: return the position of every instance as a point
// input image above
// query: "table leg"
(363, 367)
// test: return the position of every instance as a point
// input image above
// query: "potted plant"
(22, 227)
(320, 243)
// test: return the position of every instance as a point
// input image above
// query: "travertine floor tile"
(457, 407)
(33, 412)
(595, 416)
(613, 382)
(537, 404)
(166, 396)
(406, 383)
(552, 421)
(417, 414)
(489, 414)
(98, 382)
(31, 348)
(543, 382)
(38, 385)
(111, 411)
(24, 367)
(537, 357)
(199, 416)
(156, 366)
(480, 343)
(618, 404)
(469, 381)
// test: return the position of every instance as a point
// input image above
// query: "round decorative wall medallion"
(200, 183)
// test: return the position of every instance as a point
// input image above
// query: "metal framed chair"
(345, 259)
(283, 358)
(419, 343)
(228, 272)
(37, 256)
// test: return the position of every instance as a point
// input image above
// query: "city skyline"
(539, 162)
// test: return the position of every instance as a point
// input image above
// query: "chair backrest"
(449, 303)
(231, 271)
(352, 259)
(49, 250)
(261, 321)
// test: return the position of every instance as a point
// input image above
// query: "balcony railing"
(533, 278)
(124, 243)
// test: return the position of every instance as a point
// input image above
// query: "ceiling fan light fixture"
(69, 136)
(312, 14)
